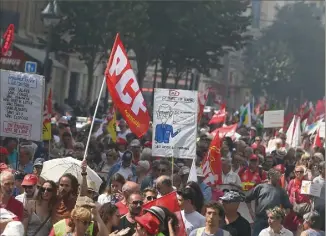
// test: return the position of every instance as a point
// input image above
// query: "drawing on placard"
(164, 131)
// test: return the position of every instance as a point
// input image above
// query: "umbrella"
(54, 169)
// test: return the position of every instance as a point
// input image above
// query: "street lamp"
(51, 17)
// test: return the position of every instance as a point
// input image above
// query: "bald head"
(130, 187)
(7, 181)
(165, 180)
(164, 185)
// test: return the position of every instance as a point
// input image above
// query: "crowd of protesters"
(132, 177)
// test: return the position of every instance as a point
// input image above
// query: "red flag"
(219, 117)
(170, 202)
(317, 141)
(320, 110)
(212, 165)
(124, 90)
(202, 99)
(8, 38)
(230, 130)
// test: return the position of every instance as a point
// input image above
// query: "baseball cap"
(135, 143)
(4, 151)
(38, 162)
(121, 141)
(233, 196)
(13, 228)
(127, 156)
(253, 157)
(29, 179)
(152, 219)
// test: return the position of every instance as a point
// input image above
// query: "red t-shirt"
(123, 209)
(246, 175)
(16, 207)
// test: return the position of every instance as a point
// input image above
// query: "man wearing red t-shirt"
(253, 173)
(7, 201)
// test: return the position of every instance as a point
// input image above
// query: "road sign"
(31, 67)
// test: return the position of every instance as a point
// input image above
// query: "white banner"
(21, 105)
(175, 123)
(273, 119)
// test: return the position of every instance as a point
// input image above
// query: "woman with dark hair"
(199, 201)
(38, 218)
(113, 192)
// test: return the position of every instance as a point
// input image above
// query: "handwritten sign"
(21, 105)
(175, 123)
(273, 119)
(310, 188)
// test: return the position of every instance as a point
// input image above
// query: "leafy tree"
(292, 49)
(88, 29)
(270, 68)
(199, 34)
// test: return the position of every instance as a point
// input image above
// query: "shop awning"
(38, 54)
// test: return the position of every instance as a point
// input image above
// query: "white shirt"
(125, 172)
(22, 198)
(269, 232)
(231, 178)
(193, 221)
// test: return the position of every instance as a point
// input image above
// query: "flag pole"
(93, 119)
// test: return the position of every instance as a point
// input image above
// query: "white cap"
(13, 228)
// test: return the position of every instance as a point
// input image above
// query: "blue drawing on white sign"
(30, 66)
(164, 131)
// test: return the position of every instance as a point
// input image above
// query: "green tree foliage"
(288, 59)
(181, 35)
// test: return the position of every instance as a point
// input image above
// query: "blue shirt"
(28, 169)
(206, 190)
(163, 132)
(12, 158)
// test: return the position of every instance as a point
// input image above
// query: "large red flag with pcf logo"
(124, 90)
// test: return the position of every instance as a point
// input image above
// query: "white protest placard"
(310, 188)
(21, 105)
(175, 123)
(273, 119)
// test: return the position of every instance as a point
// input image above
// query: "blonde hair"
(79, 213)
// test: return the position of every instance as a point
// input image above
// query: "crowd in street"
(268, 183)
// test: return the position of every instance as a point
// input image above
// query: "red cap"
(280, 168)
(29, 179)
(121, 141)
(253, 157)
(149, 222)
(148, 144)
(4, 151)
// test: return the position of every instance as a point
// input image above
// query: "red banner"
(124, 90)
(170, 202)
(8, 38)
(212, 164)
(219, 116)
(230, 130)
